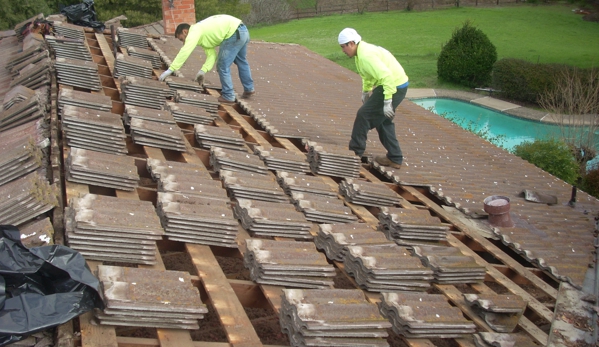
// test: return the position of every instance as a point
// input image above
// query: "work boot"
(225, 101)
(383, 160)
(247, 95)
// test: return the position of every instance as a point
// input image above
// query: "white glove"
(388, 109)
(200, 77)
(365, 97)
(165, 74)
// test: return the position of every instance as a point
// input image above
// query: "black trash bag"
(41, 287)
(83, 14)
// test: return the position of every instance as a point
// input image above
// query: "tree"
(15, 12)
(467, 58)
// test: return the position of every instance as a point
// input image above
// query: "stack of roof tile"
(194, 219)
(161, 169)
(144, 92)
(205, 101)
(386, 268)
(225, 138)
(411, 227)
(22, 112)
(70, 31)
(333, 317)
(26, 198)
(69, 48)
(83, 99)
(421, 315)
(101, 169)
(368, 193)
(154, 134)
(332, 160)
(78, 73)
(288, 263)
(37, 233)
(34, 76)
(233, 160)
(246, 185)
(182, 83)
(95, 130)
(263, 218)
(113, 229)
(16, 95)
(298, 183)
(176, 179)
(146, 54)
(149, 298)
(130, 37)
(22, 150)
(323, 209)
(34, 55)
(126, 65)
(148, 114)
(334, 239)
(190, 114)
(450, 265)
(283, 159)
(501, 312)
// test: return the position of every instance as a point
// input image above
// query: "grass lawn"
(541, 33)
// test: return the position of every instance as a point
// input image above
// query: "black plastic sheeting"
(83, 14)
(41, 287)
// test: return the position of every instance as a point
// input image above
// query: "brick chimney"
(175, 12)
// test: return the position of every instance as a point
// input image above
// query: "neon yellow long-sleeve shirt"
(377, 66)
(208, 34)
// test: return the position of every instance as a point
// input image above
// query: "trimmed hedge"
(552, 155)
(521, 80)
(467, 58)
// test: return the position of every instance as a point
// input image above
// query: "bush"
(553, 156)
(522, 80)
(467, 58)
(590, 182)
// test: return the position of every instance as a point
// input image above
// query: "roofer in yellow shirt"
(384, 86)
(232, 36)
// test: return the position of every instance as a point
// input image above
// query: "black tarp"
(41, 287)
(83, 14)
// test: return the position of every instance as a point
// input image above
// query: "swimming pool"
(501, 129)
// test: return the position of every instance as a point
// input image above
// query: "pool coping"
(500, 106)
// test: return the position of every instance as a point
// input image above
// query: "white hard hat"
(348, 34)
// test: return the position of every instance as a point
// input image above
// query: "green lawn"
(542, 33)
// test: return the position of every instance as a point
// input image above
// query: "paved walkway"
(493, 103)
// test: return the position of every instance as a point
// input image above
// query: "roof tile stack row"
(190, 114)
(288, 263)
(412, 227)
(333, 160)
(335, 239)
(224, 159)
(246, 185)
(368, 193)
(94, 130)
(283, 159)
(421, 315)
(387, 268)
(107, 228)
(272, 219)
(224, 138)
(132, 66)
(23, 149)
(101, 169)
(149, 298)
(450, 265)
(335, 317)
(25, 198)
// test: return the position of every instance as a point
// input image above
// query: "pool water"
(499, 128)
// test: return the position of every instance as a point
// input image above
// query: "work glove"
(365, 97)
(165, 74)
(200, 77)
(388, 109)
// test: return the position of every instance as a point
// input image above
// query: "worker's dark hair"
(180, 28)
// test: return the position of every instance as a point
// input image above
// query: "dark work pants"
(371, 116)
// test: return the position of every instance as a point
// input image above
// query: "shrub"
(553, 156)
(467, 58)
(590, 182)
(521, 80)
